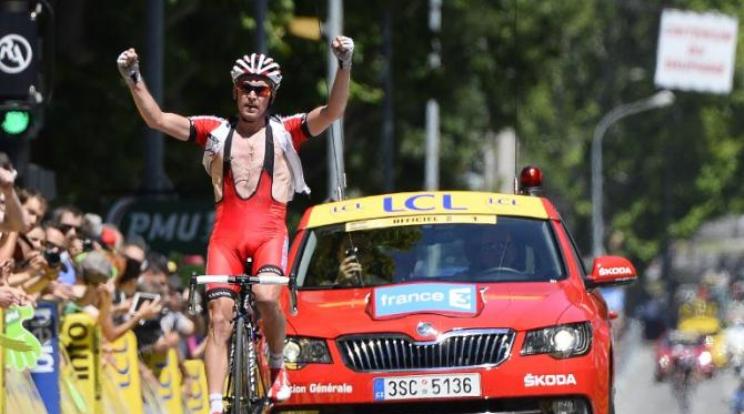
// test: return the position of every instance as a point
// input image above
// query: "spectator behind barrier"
(32, 271)
(112, 328)
(69, 220)
(90, 232)
(34, 205)
(150, 336)
(57, 241)
(11, 211)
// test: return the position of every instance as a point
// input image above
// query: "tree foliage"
(550, 70)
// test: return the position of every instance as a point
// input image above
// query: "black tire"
(238, 370)
(254, 385)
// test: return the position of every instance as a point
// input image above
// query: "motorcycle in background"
(735, 346)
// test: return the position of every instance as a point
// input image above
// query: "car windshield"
(505, 250)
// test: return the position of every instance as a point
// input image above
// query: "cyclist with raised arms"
(255, 171)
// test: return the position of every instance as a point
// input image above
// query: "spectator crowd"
(74, 260)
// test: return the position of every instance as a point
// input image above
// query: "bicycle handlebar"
(238, 279)
(241, 279)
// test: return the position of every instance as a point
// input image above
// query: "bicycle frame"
(246, 386)
(251, 378)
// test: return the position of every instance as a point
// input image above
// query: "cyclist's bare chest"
(247, 155)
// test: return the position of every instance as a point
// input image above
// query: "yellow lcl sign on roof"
(436, 202)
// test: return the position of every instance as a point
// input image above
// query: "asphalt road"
(637, 393)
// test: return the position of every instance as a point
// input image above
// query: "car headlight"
(562, 341)
(705, 358)
(300, 350)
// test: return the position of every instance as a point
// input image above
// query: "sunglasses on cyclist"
(260, 90)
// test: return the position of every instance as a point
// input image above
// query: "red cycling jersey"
(251, 223)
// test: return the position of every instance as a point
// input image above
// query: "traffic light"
(15, 122)
(21, 88)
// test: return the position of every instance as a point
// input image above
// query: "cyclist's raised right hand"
(128, 64)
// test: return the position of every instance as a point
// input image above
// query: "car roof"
(428, 203)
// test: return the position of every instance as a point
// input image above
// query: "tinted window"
(513, 249)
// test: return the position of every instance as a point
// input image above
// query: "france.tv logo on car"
(425, 297)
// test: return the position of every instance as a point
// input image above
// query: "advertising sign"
(166, 225)
(696, 51)
(44, 326)
(22, 349)
(83, 350)
(126, 374)
(428, 203)
(166, 369)
(197, 400)
(440, 298)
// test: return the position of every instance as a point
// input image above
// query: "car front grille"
(391, 352)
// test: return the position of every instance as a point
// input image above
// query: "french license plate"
(427, 386)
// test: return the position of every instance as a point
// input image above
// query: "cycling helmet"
(260, 65)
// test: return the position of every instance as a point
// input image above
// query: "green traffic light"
(15, 122)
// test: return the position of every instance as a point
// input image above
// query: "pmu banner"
(126, 374)
(196, 398)
(44, 326)
(81, 339)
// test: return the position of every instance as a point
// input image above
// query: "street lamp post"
(658, 100)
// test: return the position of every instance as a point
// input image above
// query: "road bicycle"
(248, 380)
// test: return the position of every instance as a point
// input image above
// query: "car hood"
(519, 306)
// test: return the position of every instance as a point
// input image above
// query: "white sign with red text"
(696, 51)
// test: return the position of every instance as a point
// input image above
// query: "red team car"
(447, 302)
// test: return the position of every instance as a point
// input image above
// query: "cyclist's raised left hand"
(343, 48)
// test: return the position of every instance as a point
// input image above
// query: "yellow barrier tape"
(71, 400)
(83, 349)
(23, 397)
(123, 366)
(113, 401)
(170, 384)
(152, 401)
(3, 387)
(197, 398)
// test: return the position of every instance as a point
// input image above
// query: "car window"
(575, 252)
(512, 249)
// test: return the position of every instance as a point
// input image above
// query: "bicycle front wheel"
(239, 369)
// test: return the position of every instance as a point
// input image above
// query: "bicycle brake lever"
(192, 296)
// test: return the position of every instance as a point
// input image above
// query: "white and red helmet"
(260, 65)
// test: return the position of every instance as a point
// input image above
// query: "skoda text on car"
(457, 302)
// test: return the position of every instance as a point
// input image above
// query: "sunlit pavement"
(637, 393)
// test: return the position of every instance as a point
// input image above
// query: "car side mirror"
(611, 271)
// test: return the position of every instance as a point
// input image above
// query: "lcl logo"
(15, 53)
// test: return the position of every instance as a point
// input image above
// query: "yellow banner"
(124, 369)
(23, 397)
(81, 339)
(71, 399)
(197, 398)
(3, 387)
(166, 369)
(428, 203)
